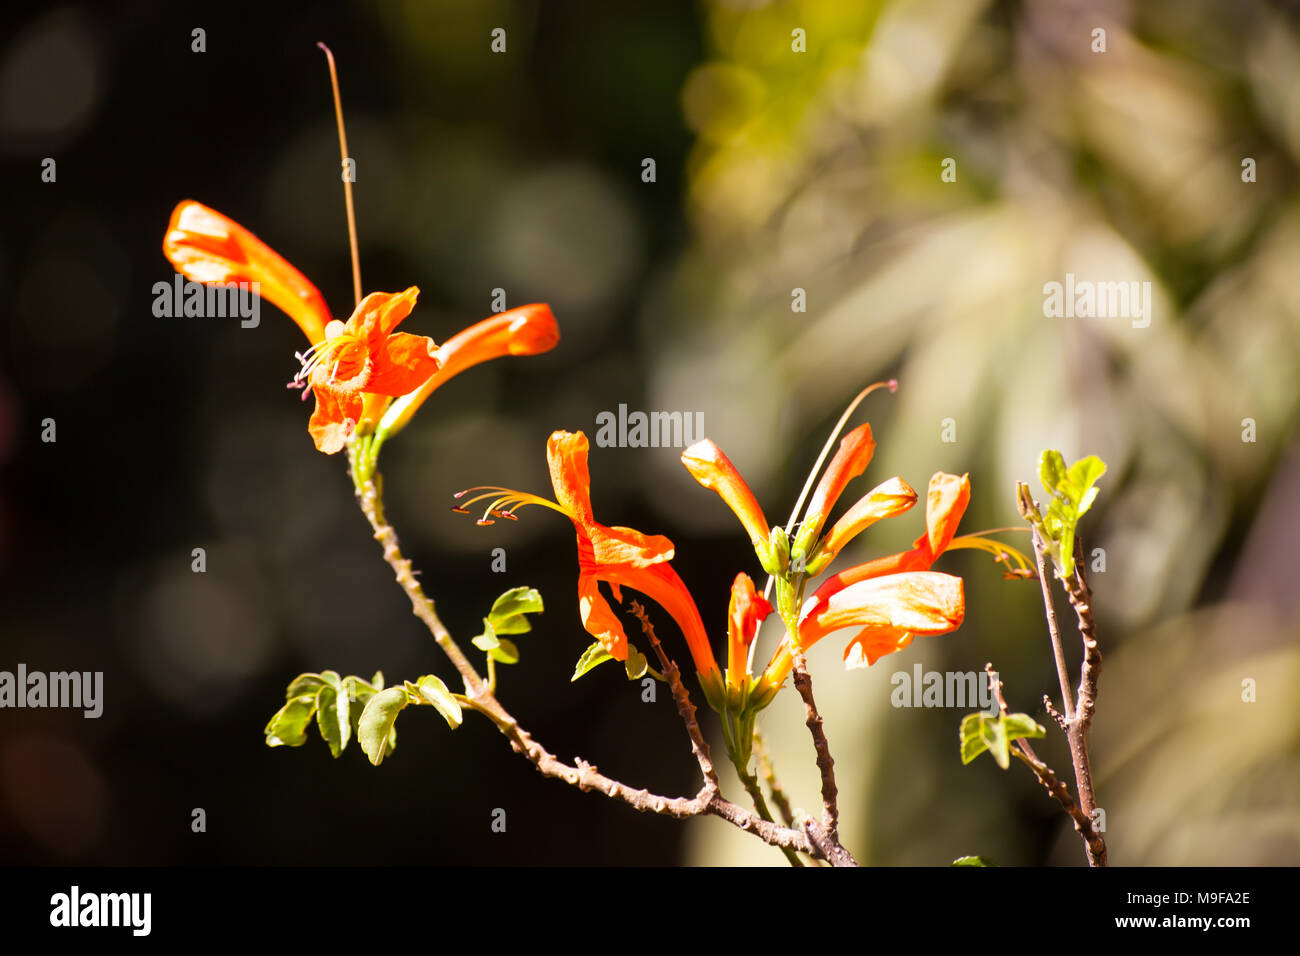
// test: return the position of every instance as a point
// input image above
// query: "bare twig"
(769, 776)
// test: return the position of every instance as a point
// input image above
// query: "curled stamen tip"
(457, 509)
(458, 494)
(507, 514)
(484, 521)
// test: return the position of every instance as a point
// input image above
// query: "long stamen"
(1002, 553)
(347, 181)
(505, 502)
(892, 385)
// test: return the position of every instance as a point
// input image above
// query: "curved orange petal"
(945, 503)
(566, 457)
(626, 547)
(599, 618)
(403, 364)
(745, 611)
(379, 313)
(851, 459)
(872, 643)
(921, 602)
(886, 500)
(333, 419)
(205, 246)
(526, 330)
(714, 470)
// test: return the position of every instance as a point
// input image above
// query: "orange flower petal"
(745, 612)
(873, 643)
(851, 459)
(205, 246)
(566, 456)
(920, 602)
(404, 363)
(714, 470)
(945, 503)
(626, 547)
(379, 313)
(599, 618)
(526, 330)
(886, 500)
(333, 419)
(662, 585)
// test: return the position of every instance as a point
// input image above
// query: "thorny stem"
(581, 774)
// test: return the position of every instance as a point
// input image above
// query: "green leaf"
(507, 614)
(377, 682)
(304, 684)
(376, 730)
(1051, 470)
(487, 641)
(505, 652)
(433, 691)
(596, 654)
(1020, 726)
(288, 728)
(333, 719)
(1082, 475)
(331, 677)
(973, 861)
(981, 732)
(636, 663)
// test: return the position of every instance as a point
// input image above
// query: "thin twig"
(769, 776)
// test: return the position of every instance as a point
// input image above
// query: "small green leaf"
(304, 684)
(377, 682)
(1051, 470)
(981, 732)
(288, 728)
(973, 861)
(596, 654)
(487, 641)
(375, 731)
(432, 690)
(507, 614)
(1082, 475)
(636, 663)
(1020, 726)
(331, 677)
(332, 718)
(505, 652)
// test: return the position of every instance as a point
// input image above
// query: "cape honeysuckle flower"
(355, 368)
(205, 246)
(526, 330)
(890, 610)
(620, 557)
(712, 469)
(745, 612)
(360, 357)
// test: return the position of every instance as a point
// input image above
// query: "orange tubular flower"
(714, 470)
(745, 612)
(618, 556)
(205, 246)
(891, 610)
(526, 330)
(851, 459)
(363, 356)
